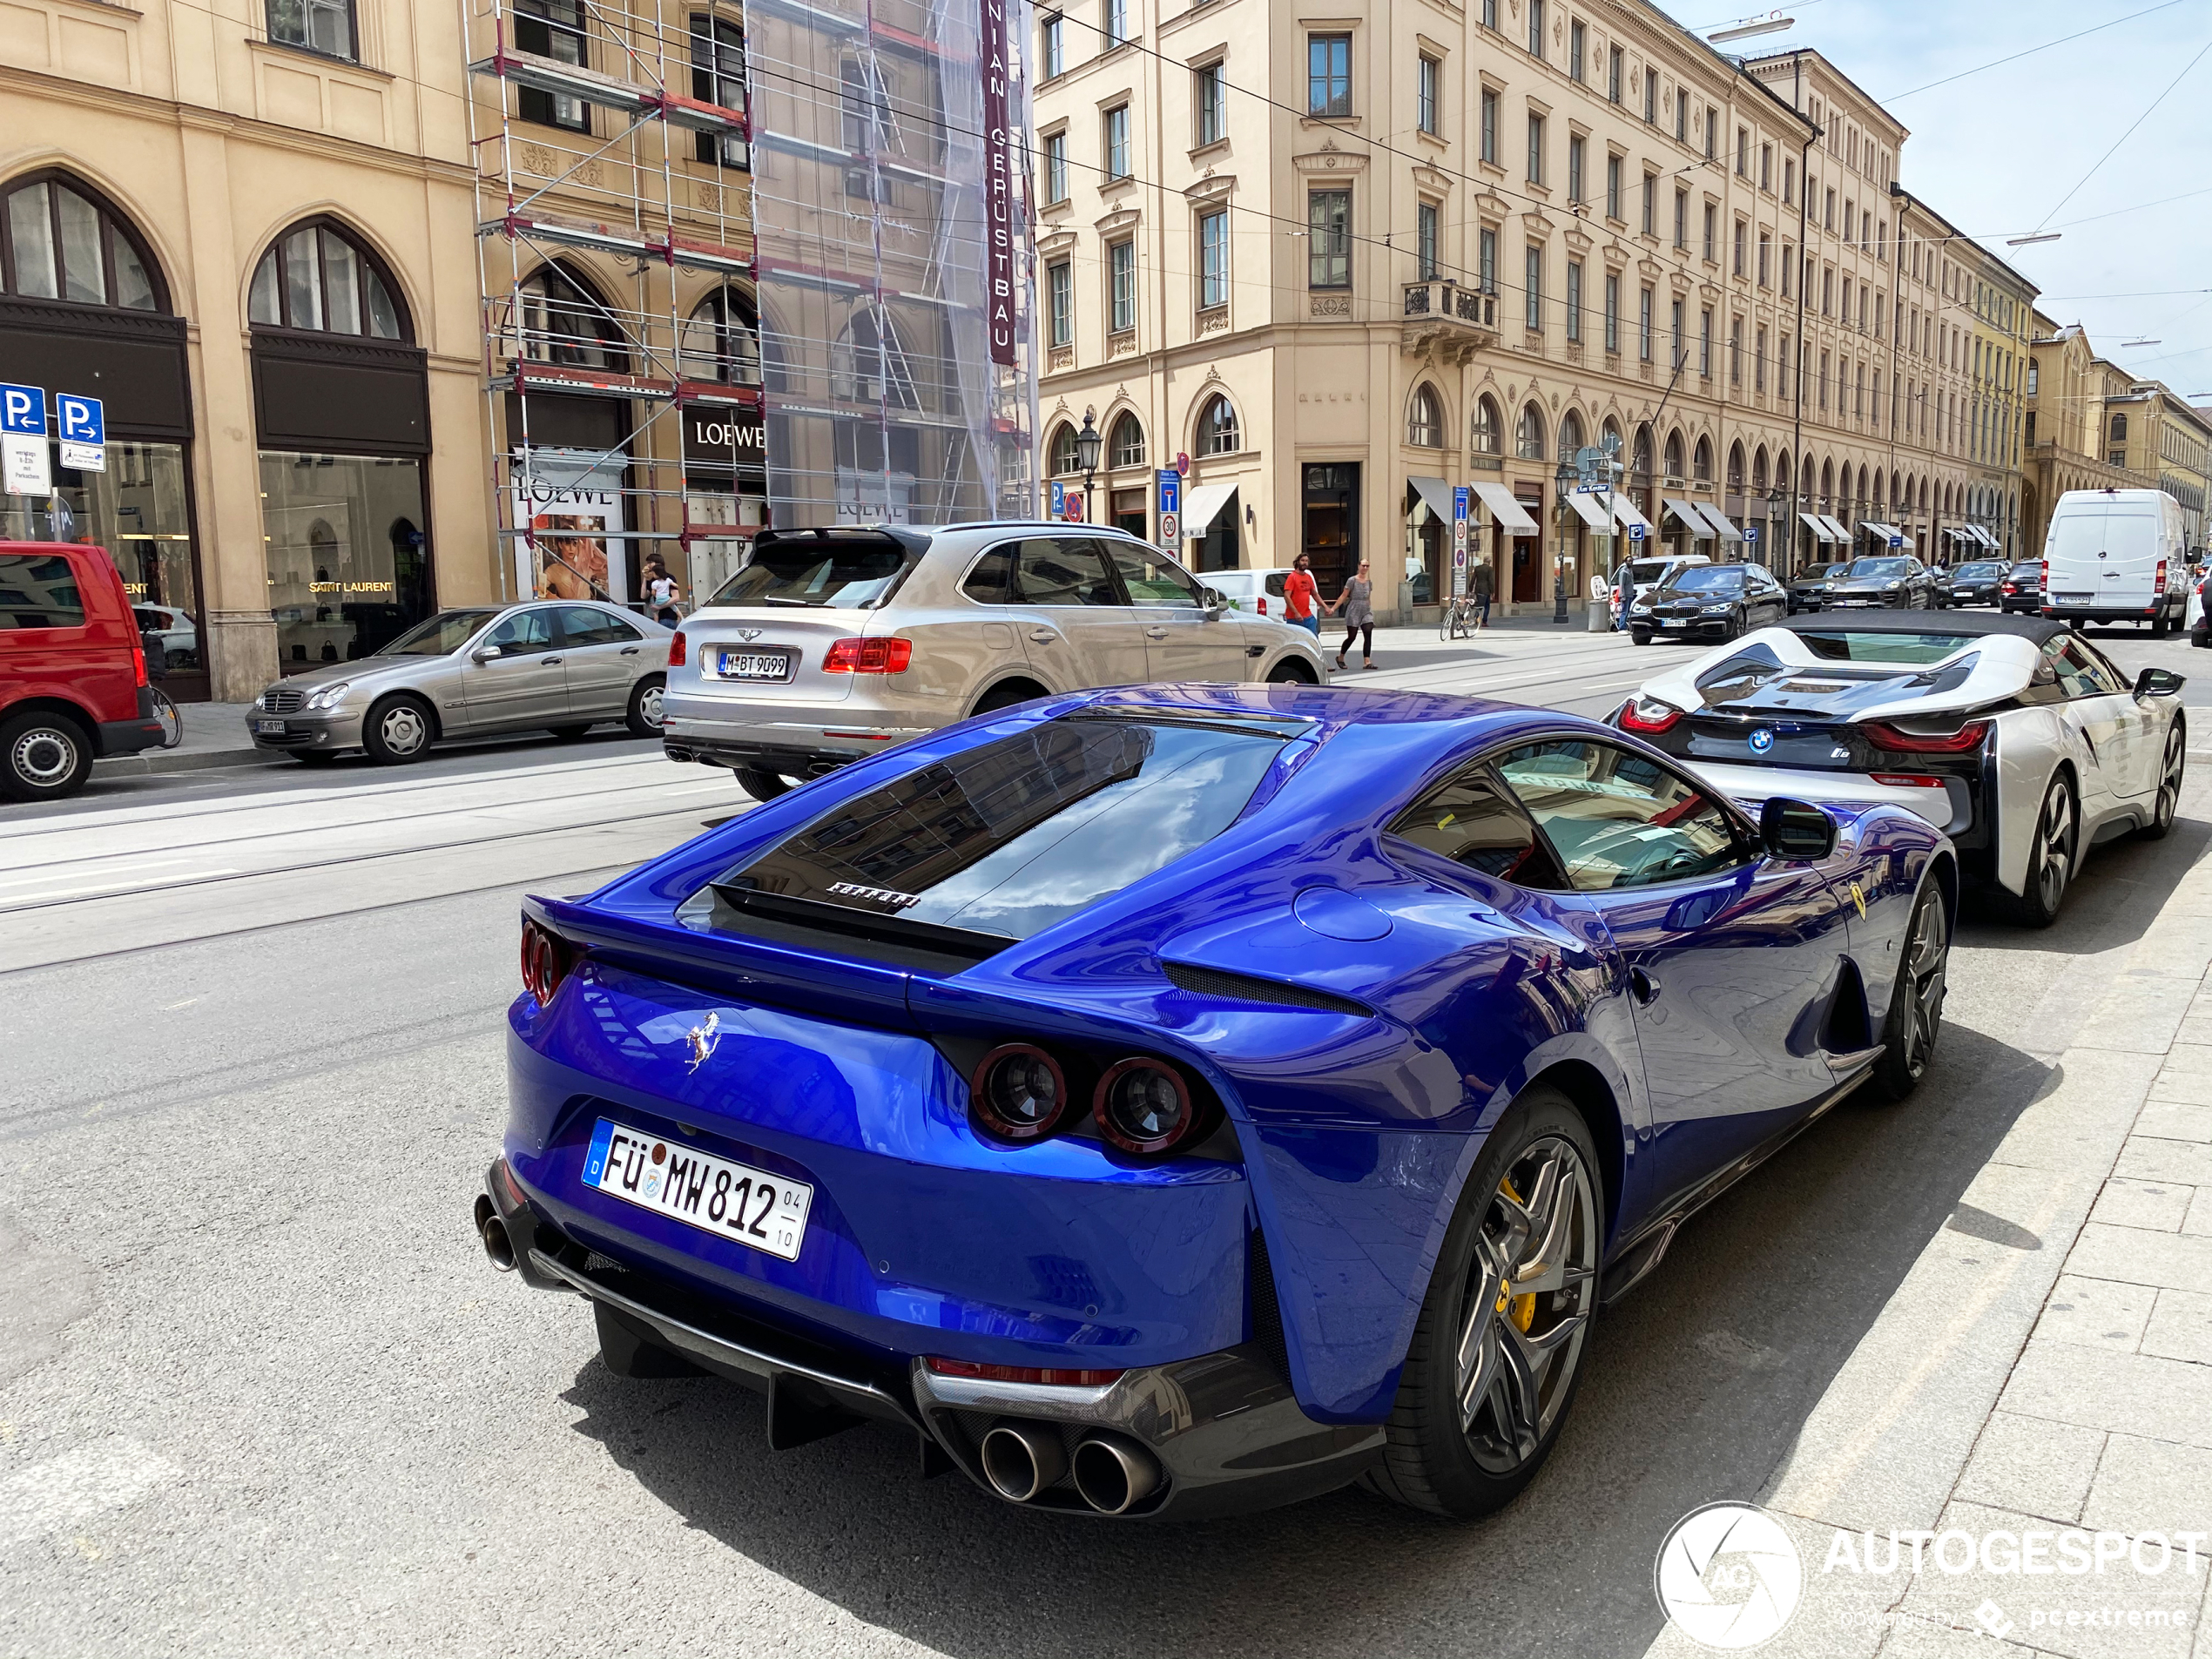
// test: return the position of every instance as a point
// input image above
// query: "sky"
(1997, 151)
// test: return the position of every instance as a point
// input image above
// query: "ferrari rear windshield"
(1011, 837)
(1877, 647)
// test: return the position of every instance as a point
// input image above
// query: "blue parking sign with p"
(82, 427)
(1751, 534)
(23, 409)
(1059, 499)
(1636, 532)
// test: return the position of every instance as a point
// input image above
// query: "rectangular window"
(1651, 204)
(1328, 218)
(1612, 312)
(1651, 97)
(1055, 167)
(1487, 260)
(1844, 311)
(1613, 66)
(1758, 362)
(1736, 352)
(1788, 178)
(1743, 236)
(1116, 21)
(1117, 142)
(1575, 301)
(327, 26)
(1782, 368)
(1425, 96)
(1576, 145)
(717, 77)
(1328, 75)
(1829, 217)
(1578, 48)
(1705, 342)
(1789, 265)
(1644, 322)
(1489, 14)
(1060, 287)
(1742, 153)
(1213, 260)
(1049, 58)
(1535, 286)
(1680, 347)
(1682, 115)
(1121, 265)
(1489, 126)
(1711, 234)
(1535, 149)
(1535, 28)
(1766, 166)
(1824, 380)
(1712, 133)
(1681, 219)
(1425, 238)
(1766, 246)
(1612, 187)
(1827, 290)
(551, 28)
(1213, 100)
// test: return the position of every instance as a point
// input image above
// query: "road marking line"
(49, 1496)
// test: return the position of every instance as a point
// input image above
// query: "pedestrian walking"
(1484, 581)
(1301, 598)
(1625, 576)
(1356, 602)
(661, 593)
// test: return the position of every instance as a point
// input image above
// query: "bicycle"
(1457, 619)
(172, 724)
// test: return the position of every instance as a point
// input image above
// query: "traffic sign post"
(1170, 492)
(1074, 507)
(23, 440)
(1059, 499)
(1636, 532)
(1897, 541)
(1751, 534)
(1459, 542)
(82, 423)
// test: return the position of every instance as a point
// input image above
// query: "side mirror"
(2159, 682)
(484, 654)
(1796, 829)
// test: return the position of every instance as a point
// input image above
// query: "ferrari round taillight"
(545, 961)
(1143, 1105)
(1019, 1092)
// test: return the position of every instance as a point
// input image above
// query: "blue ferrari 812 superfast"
(1176, 1099)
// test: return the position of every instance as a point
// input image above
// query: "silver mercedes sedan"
(552, 665)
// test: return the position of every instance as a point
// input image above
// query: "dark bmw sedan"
(1810, 588)
(1709, 602)
(1981, 582)
(2022, 588)
(1900, 583)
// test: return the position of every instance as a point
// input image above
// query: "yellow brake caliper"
(1524, 1307)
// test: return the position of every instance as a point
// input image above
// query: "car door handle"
(549, 662)
(1645, 986)
(630, 651)
(1156, 633)
(1044, 636)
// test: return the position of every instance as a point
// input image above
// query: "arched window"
(1571, 435)
(722, 340)
(1609, 436)
(558, 320)
(1062, 457)
(1806, 489)
(1424, 420)
(1126, 448)
(1489, 427)
(2120, 428)
(1218, 433)
(868, 364)
(1758, 470)
(1530, 446)
(1673, 456)
(1827, 483)
(1701, 463)
(1736, 469)
(1639, 464)
(62, 242)
(316, 276)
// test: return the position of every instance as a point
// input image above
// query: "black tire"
(44, 757)
(1915, 1018)
(2160, 626)
(1289, 671)
(399, 730)
(2053, 856)
(643, 716)
(1007, 694)
(2171, 767)
(1640, 636)
(571, 733)
(1456, 1463)
(761, 784)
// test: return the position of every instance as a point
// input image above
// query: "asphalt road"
(260, 1392)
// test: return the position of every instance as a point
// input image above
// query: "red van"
(72, 672)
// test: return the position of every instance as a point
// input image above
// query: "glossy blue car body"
(1302, 1245)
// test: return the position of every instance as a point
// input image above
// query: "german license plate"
(269, 728)
(2072, 598)
(717, 1196)
(755, 665)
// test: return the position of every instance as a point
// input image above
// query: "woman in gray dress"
(1356, 602)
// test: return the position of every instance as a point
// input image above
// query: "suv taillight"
(139, 664)
(1262, 605)
(869, 657)
(677, 651)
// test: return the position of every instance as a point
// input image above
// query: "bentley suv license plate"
(714, 1195)
(755, 665)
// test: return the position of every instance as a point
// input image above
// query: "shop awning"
(1837, 532)
(1880, 531)
(1202, 504)
(1686, 516)
(1512, 517)
(1719, 521)
(1591, 511)
(1983, 536)
(1957, 533)
(1437, 494)
(1817, 525)
(1625, 514)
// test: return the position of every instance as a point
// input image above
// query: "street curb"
(157, 760)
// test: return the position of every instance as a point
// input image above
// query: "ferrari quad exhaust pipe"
(498, 1247)
(1113, 1474)
(1020, 1459)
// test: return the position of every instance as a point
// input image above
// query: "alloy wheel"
(2170, 781)
(403, 729)
(1529, 1300)
(2058, 833)
(1927, 962)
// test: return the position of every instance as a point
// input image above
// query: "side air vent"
(1247, 987)
(1267, 1313)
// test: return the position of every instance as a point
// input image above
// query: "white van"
(1257, 593)
(2116, 556)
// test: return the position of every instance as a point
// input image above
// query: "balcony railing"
(1444, 314)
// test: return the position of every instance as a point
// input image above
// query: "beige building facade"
(1341, 264)
(250, 236)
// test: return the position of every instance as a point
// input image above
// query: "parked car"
(559, 666)
(833, 644)
(1979, 581)
(1809, 588)
(2117, 556)
(1178, 1100)
(2022, 588)
(178, 634)
(1896, 581)
(1648, 574)
(2017, 739)
(1257, 593)
(73, 683)
(2192, 619)
(1700, 601)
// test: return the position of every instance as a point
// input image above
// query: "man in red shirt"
(1299, 596)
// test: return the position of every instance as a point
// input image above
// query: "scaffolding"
(743, 265)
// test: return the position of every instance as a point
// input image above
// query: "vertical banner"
(571, 502)
(1459, 542)
(998, 188)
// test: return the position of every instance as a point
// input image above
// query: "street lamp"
(1563, 487)
(1773, 501)
(1087, 444)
